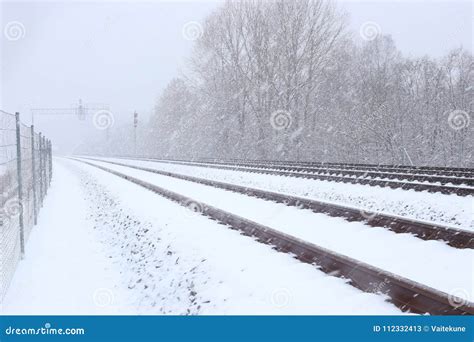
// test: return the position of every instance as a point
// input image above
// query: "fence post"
(43, 173)
(45, 160)
(50, 161)
(46, 152)
(20, 183)
(40, 153)
(35, 210)
(46, 164)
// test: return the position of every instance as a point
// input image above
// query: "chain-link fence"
(25, 175)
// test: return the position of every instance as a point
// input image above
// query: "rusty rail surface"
(454, 237)
(414, 170)
(445, 189)
(434, 170)
(467, 179)
(404, 293)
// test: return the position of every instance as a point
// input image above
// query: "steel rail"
(445, 189)
(468, 181)
(452, 236)
(447, 171)
(380, 166)
(456, 177)
(415, 170)
(404, 293)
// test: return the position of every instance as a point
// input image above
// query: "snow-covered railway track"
(369, 173)
(405, 184)
(404, 293)
(415, 170)
(454, 237)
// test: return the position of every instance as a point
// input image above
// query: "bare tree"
(340, 100)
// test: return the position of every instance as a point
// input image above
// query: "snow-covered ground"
(65, 269)
(432, 263)
(105, 245)
(450, 210)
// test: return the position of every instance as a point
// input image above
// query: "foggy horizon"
(242, 161)
(123, 54)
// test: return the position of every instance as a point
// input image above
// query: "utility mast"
(80, 110)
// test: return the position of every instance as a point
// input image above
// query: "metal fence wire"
(25, 175)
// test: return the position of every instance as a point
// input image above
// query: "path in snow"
(65, 270)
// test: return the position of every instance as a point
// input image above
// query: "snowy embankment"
(451, 210)
(65, 269)
(105, 245)
(432, 263)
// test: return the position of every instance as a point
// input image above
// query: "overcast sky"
(124, 53)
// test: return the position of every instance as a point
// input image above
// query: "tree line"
(287, 80)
